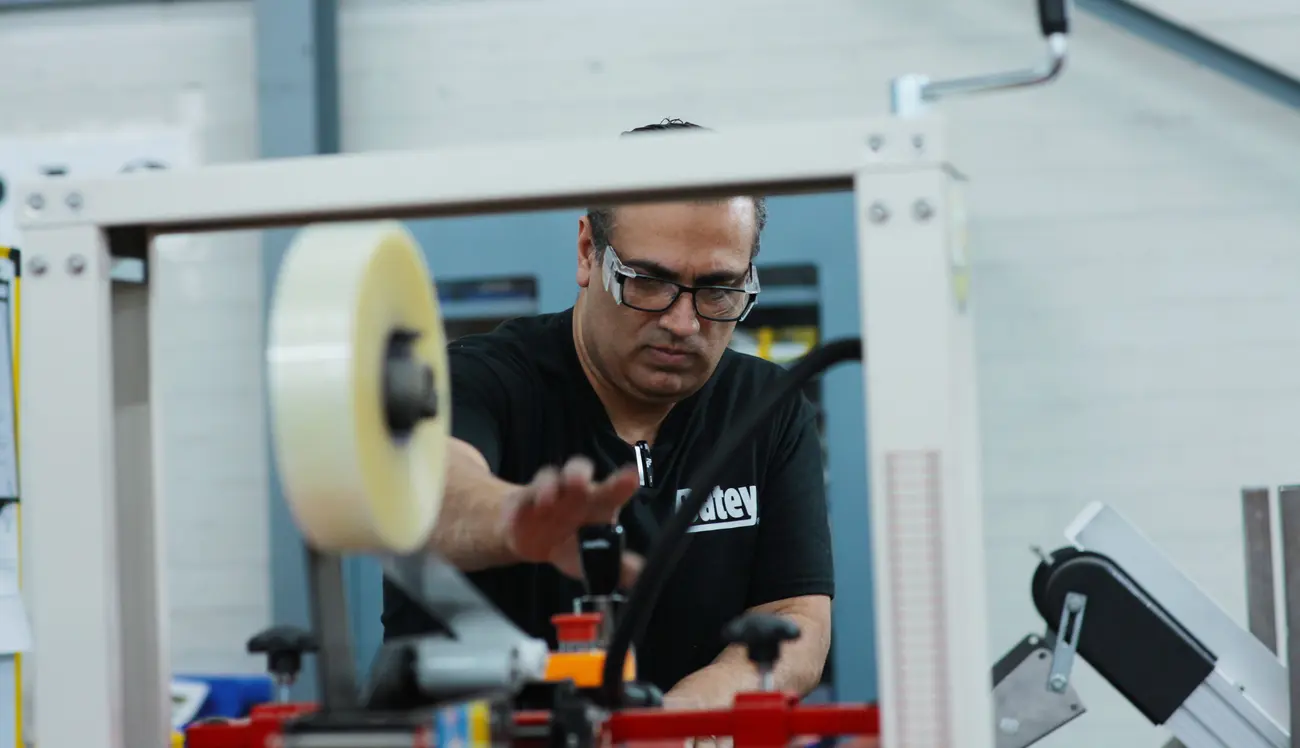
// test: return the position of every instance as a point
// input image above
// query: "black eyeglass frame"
(615, 273)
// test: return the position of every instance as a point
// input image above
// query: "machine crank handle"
(912, 93)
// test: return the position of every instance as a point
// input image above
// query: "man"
(554, 418)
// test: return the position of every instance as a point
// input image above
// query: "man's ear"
(587, 266)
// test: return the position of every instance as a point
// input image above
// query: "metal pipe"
(1056, 54)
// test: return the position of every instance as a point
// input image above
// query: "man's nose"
(680, 318)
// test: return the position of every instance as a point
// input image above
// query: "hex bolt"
(1057, 682)
(878, 213)
(76, 264)
(922, 210)
(36, 201)
(73, 200)
(38, 266)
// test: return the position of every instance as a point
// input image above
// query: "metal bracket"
(1067, 641)
(1024, 711)
(335, 673)
(481, 652)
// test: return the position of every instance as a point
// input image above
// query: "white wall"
(1134, 228)
(1265, 30)
(114, 67)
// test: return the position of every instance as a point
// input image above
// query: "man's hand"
(540, 521)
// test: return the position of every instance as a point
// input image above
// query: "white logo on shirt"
(724, 509)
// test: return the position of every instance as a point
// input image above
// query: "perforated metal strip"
(916, 541)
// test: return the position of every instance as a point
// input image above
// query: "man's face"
(665, 356)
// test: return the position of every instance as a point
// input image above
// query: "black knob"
(284, 647)
(1053, 17)
(642, 695)
(600, 547)
(762, 634)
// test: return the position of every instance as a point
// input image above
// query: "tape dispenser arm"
(359, 390)
(477, 651)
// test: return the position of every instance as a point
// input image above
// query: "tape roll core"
(359, 388)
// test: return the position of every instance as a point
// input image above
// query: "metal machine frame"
(90, 469)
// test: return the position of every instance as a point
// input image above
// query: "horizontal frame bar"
(482, 179)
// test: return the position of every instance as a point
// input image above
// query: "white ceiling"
(1266, 30)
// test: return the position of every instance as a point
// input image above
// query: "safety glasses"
(647, 293)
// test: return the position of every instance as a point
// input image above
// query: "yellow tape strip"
(15, 257)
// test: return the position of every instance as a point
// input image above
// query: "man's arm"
(798, 670)
(488, 522)
(793, 571)
(470, 533)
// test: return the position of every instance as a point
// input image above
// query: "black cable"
(673, 538)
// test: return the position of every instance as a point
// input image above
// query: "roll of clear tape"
(359, 388)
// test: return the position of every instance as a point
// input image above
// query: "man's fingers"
(545, 487)
(614, 491)
(578, 472)
(558, 500)
(630, 570)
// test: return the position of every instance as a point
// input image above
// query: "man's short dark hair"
(602, 218)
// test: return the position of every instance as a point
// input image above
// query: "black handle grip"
(762, 634)
(642, 696)
(1054, 17)
(284, 647)
(600, 548)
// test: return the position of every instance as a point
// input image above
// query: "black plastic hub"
(409, 393)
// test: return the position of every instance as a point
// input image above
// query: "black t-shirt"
(520, 396)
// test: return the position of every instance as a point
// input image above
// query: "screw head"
(76, 264)
(1009, 725)
(37, 266)
(875, 142)
(922, 211)
(918, 142)
(73, 200)
(878, 212)
(36, 201)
